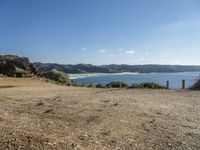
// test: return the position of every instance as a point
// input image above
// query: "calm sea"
(175, 79)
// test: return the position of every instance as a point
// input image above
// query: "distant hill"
(88, 68)
(79, 68)
(12, 65)
(15, 66)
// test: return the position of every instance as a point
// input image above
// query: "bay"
(175, 79)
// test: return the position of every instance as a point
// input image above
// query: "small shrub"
(21, 73)
(117, 84)
(57, 76)
(90, 85)
(33, 69)
(74, 84)
(2, 76)
(148, 85)
(196, 86)
(78, 85)
(68, 84)
(99, 85)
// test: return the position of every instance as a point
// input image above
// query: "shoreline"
(85, 75)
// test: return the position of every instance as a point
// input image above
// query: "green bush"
(78, 84)
(196, 86)
(117, 84)
(74, 84)
(90, 85)
(99, 85)
(21, 73)
(57, 76)
(148, 85)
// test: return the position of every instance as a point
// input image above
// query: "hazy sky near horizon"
(102, 31)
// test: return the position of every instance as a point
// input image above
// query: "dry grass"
(36, 115)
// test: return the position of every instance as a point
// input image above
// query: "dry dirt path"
(35, 115)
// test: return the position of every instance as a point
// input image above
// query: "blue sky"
(102, 31)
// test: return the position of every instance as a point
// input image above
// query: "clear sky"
(102, 31)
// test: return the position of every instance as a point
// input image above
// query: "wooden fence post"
(183, 84)
(167, 84)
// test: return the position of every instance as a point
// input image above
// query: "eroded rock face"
(11, 65)
(20, 62)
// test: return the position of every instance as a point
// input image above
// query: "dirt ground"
(35, 115)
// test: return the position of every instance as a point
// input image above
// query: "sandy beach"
(37, 115)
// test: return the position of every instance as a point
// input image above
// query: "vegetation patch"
(117, 84)
(21, 73)
(2, 76)
(57, 76)
(90, 85)
(15, 66)
(148, 85)
(196, 86)
(99, 85)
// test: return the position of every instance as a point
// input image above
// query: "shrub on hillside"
(148, 85)
(196, 86)
(57, 76)
(1, 76)
(21, 73)
(117, 84)
(32, 69)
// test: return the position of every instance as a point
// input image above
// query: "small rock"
(106, 101)
(115, 104)
(40, 104)
(169, 144)
(49, 110)
(106, 133)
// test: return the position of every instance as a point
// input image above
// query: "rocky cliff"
(15, 66)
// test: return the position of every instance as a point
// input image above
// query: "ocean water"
(175, 79)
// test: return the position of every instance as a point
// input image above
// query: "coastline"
(85, 75)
